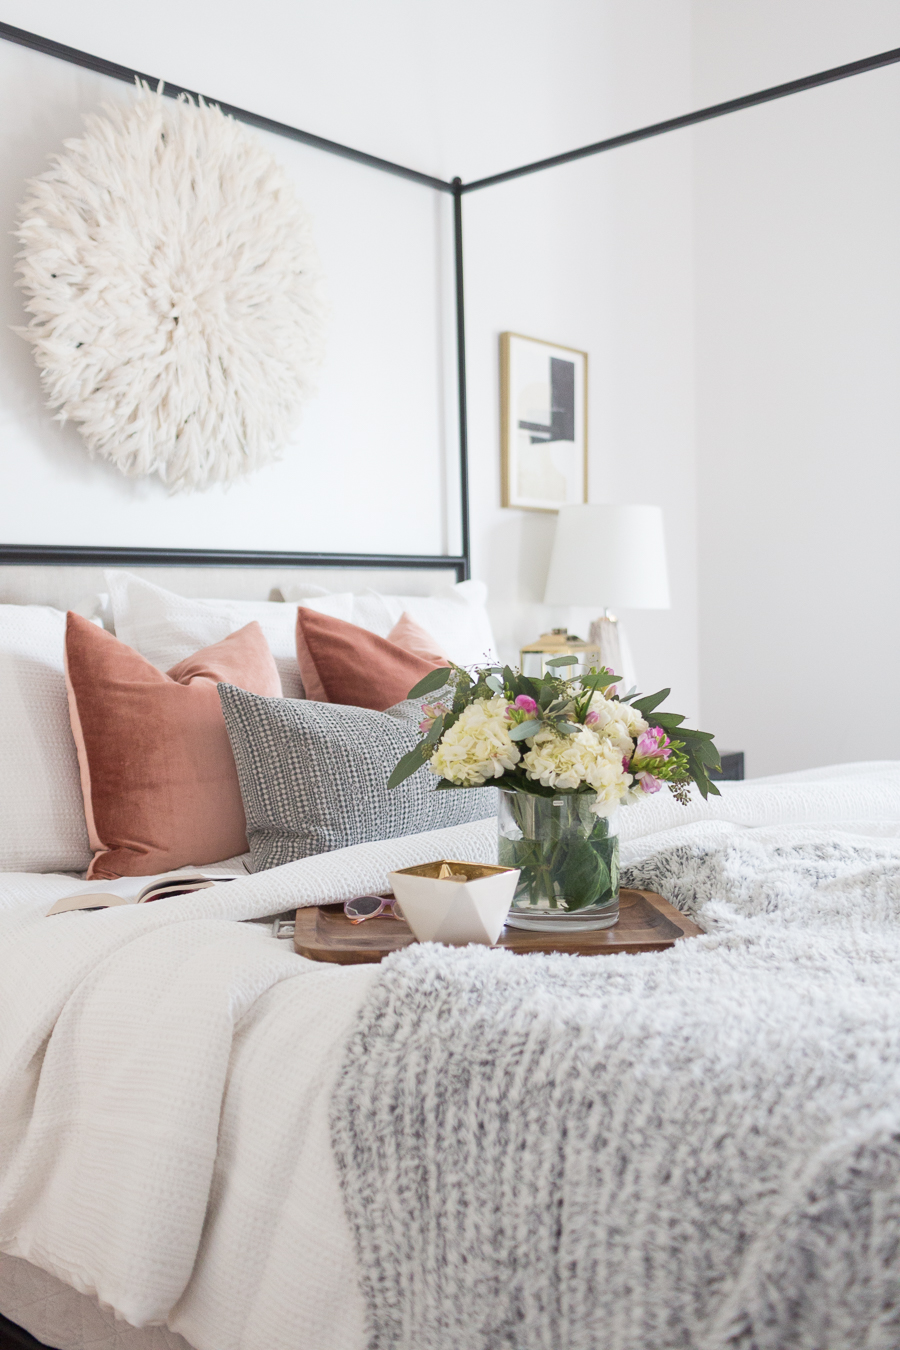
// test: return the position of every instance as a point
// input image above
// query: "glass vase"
(568, 857)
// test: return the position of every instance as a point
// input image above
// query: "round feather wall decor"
(175, 292)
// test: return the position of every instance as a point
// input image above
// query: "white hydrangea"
(617, 722)
(585, 757)
(477, 747)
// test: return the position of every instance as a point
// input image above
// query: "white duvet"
(165, 1075)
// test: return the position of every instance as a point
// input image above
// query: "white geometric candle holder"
(455, 902)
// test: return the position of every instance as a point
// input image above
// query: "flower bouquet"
(566, 753)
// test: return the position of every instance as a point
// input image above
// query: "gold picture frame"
(543, 404)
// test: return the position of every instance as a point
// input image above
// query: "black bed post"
(465, 540)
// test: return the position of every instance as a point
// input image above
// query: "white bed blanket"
(165, 1075)
(164, 1079)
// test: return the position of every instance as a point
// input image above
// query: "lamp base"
(604, 636)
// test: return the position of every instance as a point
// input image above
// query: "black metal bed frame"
(460, 563)
(11, 1335)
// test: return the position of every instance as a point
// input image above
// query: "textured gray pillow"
(314, 777)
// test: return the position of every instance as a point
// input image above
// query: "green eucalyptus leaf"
(583, 876)
(493, 683)
(614, 872)
(707, 787)
(525, 729)
(646, 704)
(430, 683)
(599, 679)
(567, 728)
(435, 731)
(561, 661)
(411, 762)
(708, 754)
(668, 721)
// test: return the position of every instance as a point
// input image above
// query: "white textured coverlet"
(164, 1079)
(213, 1202)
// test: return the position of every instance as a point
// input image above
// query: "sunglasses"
(363, 907)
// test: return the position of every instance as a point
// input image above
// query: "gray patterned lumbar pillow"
(314, 777)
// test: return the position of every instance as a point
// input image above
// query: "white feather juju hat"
(175, 292)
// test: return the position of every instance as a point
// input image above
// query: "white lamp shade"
(609, 556)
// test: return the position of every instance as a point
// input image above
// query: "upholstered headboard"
(70, 587)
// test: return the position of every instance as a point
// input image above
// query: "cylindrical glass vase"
(568, 857)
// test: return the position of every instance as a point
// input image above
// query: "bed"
(211, 1142)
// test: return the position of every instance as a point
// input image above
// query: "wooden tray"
(647, 923)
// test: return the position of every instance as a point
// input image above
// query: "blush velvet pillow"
(342, 663)
(158, 778)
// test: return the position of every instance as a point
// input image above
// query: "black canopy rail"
(693, 119)
(461, 563)
(89, 555)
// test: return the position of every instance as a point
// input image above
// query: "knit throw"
(695, 1148)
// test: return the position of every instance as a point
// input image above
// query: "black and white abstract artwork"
(543, 423)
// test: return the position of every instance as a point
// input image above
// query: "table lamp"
(602, 556)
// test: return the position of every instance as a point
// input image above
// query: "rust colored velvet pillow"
(158, 777)
(341, 663)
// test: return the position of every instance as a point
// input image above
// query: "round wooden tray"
(647, 923)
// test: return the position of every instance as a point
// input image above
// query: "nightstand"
(732, 770)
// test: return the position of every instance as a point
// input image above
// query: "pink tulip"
(653, 744)
(592, 717)
(432, 712)
(526, 704)
(648, 782)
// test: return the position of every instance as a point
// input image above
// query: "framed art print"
(543, 423)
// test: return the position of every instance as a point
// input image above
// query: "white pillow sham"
(166, 627)
(42, 825)
(456, 617)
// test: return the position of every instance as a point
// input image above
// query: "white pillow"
(456, 617)
(42, 825)
(166, 627)
(367, 610)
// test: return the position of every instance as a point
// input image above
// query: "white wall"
(595, 256)
(792, 281)
(373, 447)
(797, 228)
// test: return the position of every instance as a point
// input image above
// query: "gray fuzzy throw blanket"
(697, 1148)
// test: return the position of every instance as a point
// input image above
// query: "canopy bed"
(211, 1142)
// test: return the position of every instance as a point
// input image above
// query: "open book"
(137, 891)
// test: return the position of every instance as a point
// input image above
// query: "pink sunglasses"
(363, 907)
